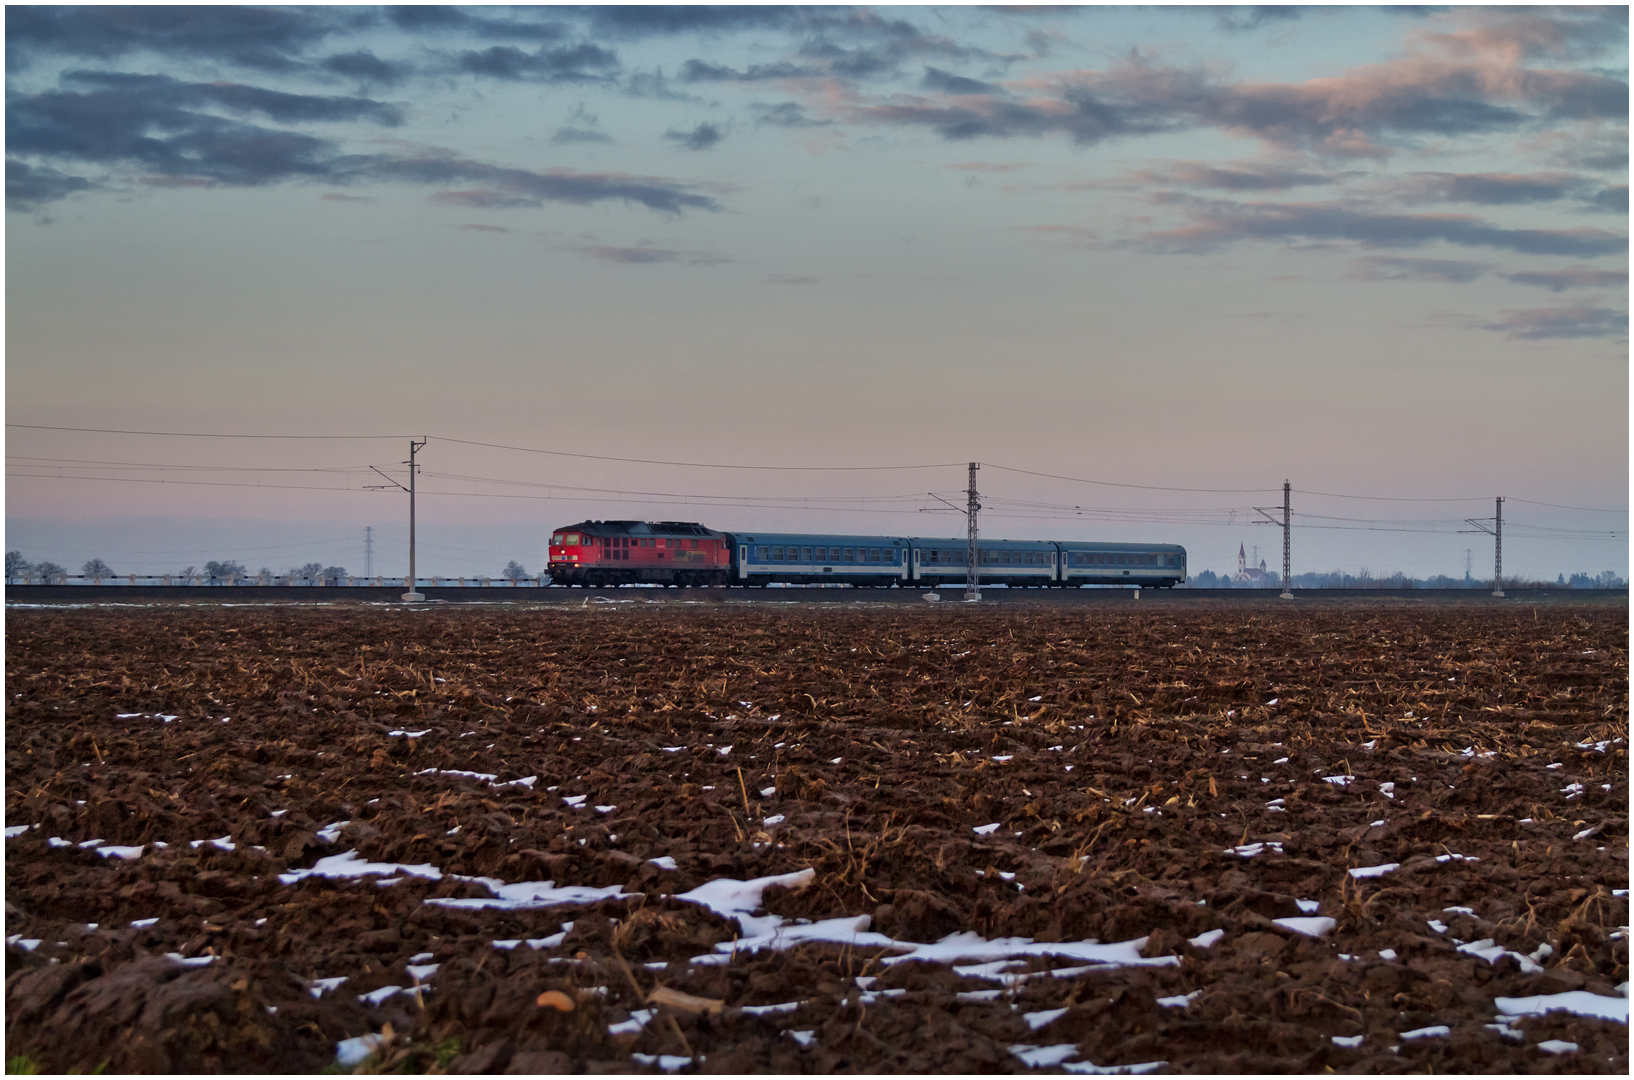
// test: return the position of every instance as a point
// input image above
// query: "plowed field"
(1363, 838)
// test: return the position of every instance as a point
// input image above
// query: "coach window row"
(1101, 558)
(775, 553)
(991, 557)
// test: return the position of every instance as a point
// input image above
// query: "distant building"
(1251, 575)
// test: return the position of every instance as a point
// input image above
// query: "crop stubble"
(1474, 714)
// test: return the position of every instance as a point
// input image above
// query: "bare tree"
(514, 571)
(16, 565)
(224, 569)
(96, 569)
(48, 570)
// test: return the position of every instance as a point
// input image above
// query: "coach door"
(743, 562)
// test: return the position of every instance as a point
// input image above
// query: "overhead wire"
(1019, 509)
(195, 434)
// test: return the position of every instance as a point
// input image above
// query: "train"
(684, 553)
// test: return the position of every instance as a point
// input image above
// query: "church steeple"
(1242, 560)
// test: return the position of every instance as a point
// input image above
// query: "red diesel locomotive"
(599, 553)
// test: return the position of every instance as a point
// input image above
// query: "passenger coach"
(818, 558)
(1159, 565)
(1001, 562)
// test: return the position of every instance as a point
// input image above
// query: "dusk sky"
(1377, 252)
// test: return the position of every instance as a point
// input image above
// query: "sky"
(793, 268)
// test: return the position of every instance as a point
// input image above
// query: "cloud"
(176, 181)
(108, 90)
(264, 38)
(577, 63)
(159, 125)
(640, 21)
(702, 137)
(1495, 189)
(1392, 268)
(789, 279)
(1518, 35)
(645, 256)
(652, 84)
(698, 71)
(335, 196)
(365, 66)
(1238, 176)
(1614, 199)
(1240, 18)
(507, 188)
(1540, 324)
(567, 135)
(446, 20)
(31, 186)
(1367, 111)
(1218, 222)
(484, 228)
(990, 166)
(851, 44)
(143, 124)
(787, 114)
(947, 83)
(1573, 277)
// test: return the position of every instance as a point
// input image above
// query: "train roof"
(1097, 545)
(985, 541)
(639, 528)
(816, 538)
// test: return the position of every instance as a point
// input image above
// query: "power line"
(703, 464)
(1383, 498)
(503, 446)
(28, 462)
(719, 465)
(1136, 487)
(825, 504)
(193, 434)
(1557, 506)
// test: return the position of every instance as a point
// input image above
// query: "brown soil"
(942, 720)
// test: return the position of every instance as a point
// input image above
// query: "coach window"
(777, 554)
(821, 554)
(805, 554)
(847, 554)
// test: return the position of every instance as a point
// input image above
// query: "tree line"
(216, 570)
(1366, 579)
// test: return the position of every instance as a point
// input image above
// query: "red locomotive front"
(602, 553)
